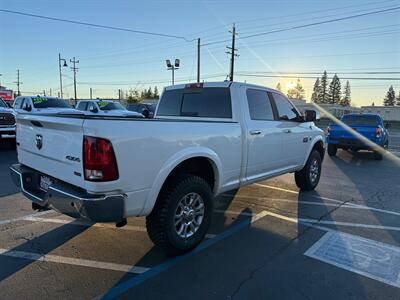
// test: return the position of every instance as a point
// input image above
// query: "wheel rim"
(314, 170)
(189, 215)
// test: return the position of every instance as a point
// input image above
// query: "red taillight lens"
(328, 130)
(99, 161)
(378, 132)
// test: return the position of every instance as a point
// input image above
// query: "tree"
(316, 95)
(148, 94)
(279, 87)
(133, 96)
(324, 89)
(299, 90)
(398, 99)
(346, 100)
(390, 98)
(155, 93)
(335, 92)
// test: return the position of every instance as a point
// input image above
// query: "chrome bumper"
(68, 199)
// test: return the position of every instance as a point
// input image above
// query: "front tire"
(308, 177)
(182, 215)
(332, 149)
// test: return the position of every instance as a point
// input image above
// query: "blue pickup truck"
(370, 126)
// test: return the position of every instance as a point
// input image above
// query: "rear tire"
(332, 149)
(308, 177)
(172, 207)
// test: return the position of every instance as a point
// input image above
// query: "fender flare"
(316, 139)
(172, 163)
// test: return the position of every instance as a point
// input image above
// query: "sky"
(110, 60)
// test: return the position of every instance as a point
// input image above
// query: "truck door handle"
(255, 132)
(287, 131)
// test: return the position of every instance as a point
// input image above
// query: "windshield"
(44, 102)
(106, 105)
(3, 104)
(360, 120)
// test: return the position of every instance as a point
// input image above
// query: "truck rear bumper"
(350, 144)
(68, 199)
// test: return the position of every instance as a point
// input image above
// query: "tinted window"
(44, 102)
(3, 104)
(133, 107)
(82, 105)
(259, 105)
(286, 110)
(105, 105)
(205, 102)
(361, 120)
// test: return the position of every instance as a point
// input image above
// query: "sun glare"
(289, 85)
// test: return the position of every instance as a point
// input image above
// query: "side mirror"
(145, 113)
(93, 109)
(387, 125)
(311, 115)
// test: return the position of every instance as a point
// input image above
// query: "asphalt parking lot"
(267, 241)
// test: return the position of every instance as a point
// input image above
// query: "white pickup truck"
(205, 139)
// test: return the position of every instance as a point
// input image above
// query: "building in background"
(6, 94)
(388, 113)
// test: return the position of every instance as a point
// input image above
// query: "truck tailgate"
(339, 132)
(52, 145)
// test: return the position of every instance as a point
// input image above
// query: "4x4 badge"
(39, 141)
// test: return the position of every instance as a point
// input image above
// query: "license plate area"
(45, 182)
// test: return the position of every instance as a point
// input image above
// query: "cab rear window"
(202, 103)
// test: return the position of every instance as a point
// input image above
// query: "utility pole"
(232, 53)
(74, 69)
(44, 92)
(119, 94)
(18, 84)
(91, 93)
(198, 60)
(50, 92)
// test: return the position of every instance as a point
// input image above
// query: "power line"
(313, 77)
(309, 25)
(95, 25)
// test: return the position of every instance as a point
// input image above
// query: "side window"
(91, 106)
(82, 105)
(286, 111)
(260, 107)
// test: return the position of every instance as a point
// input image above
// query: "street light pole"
(173, 67)
(59, 66)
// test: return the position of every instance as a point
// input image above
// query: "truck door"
(264, 147)
(295, 133)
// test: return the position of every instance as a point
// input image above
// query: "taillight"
(328, 130)
(378, 132)
(99, 161)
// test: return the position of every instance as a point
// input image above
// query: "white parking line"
(335, 200)
(28, 216)
(73, 261)
(361, 225)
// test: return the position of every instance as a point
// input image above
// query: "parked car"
(370, 126)
(7, 121)
(146, 109)
(34, 104)
(206, 139)
(105, 107)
